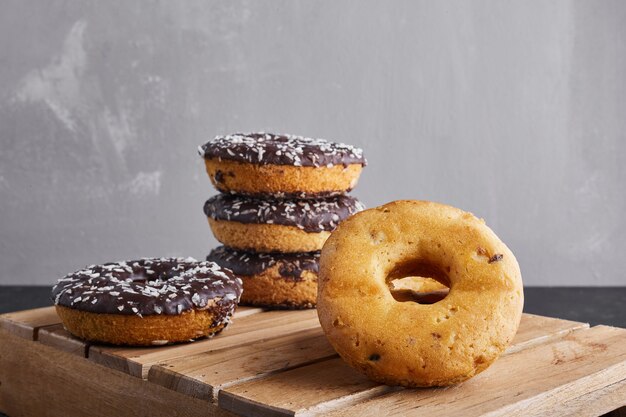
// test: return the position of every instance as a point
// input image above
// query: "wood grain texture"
(245, 330)
(27, 323)
(279, 363)
(56, 336)
(253, 397)
(205, 374)
(244, 311)
(300, 391)
(38, 380)
(535, 329)
(595, 403)
(557, 377)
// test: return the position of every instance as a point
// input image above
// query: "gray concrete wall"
(512, 110)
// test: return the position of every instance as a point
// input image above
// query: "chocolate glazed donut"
(281, 165)
(147, 301)
(276, 280)
(277, 225)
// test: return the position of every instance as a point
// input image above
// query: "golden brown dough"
(269, 289)
(254, 179)
(138, 331)
(266, 237)
(406, 343)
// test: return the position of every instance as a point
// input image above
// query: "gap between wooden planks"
(26, 324)
(332, 384)
(205, 374)
(245, 330)
(39, 380)
(584, 373)
(188, 375)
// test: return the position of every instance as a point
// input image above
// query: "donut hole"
(419, 282)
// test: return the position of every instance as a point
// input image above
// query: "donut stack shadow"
(280, 198)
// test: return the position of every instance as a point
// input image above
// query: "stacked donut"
(280, 198)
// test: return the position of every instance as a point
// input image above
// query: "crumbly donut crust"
(131, 330)
(290, 265)
(273, 280)
(281, 180)
(269, 289)
(406, 343)
(266, 237)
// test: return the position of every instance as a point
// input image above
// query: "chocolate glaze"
(290, 265)
(145, 287)
(274, 149)
(312, 215)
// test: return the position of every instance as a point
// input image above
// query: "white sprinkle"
(196, 299)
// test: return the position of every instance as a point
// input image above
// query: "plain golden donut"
(406, 343)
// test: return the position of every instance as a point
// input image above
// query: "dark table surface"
(585, 304)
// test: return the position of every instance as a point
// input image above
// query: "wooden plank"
(534, 330)
(252, 397)
(279, 363)
(38, 380)
(244, 311)
(558, 377)
(56, 336)
(597, 402)
(300, 390)
(245, 330)
(26, 323)
(205, 374)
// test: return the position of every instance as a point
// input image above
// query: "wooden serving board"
(278, 363)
